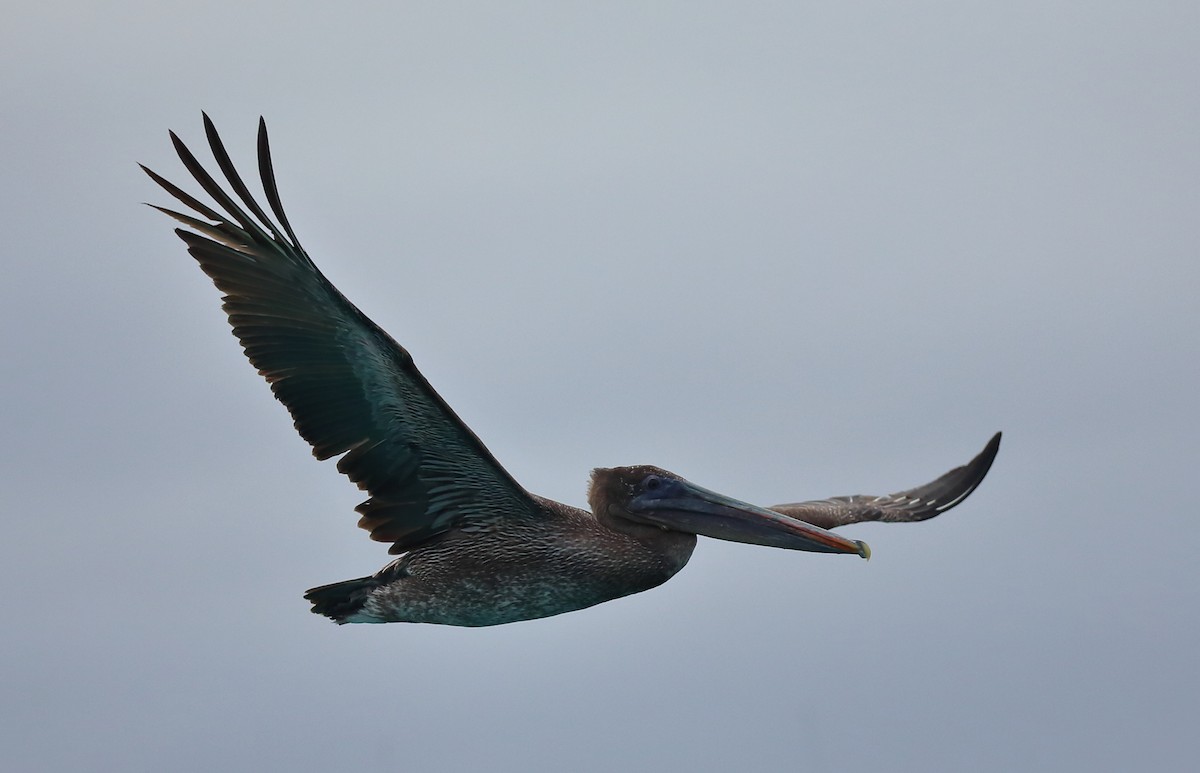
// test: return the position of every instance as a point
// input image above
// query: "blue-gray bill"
(678, 504)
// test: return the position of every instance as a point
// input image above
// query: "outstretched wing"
(349, 387)
(915, 504)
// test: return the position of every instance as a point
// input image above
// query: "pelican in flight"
(474, 548)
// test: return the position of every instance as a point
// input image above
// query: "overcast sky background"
(787, 250)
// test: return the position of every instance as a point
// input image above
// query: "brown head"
(613, 487)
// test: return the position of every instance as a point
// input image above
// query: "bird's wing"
(915, 504)
(349, 387)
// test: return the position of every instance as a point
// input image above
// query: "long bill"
(683, 506)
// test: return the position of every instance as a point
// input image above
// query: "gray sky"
(788, 251)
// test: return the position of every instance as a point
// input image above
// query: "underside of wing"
(350, 388)
(915, 504)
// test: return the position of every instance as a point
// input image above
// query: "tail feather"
(340, 600)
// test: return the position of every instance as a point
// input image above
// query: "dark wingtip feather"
(211, 187)
(267, 172)
(235, 180)
(179, 194)
(959, 483)
(980, 465)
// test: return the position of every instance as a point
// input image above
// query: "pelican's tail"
(340, 600)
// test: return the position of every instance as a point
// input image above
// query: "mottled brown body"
(522, 570)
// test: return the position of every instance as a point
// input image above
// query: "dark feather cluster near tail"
(340, 600)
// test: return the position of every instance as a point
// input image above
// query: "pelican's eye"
(652, 483)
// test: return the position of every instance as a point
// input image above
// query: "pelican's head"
(651, 496)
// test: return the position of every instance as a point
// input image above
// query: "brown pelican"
(475, 548)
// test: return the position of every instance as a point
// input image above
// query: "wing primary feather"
(187, 199)
(227, 238)
(235, 180)
(267, 172)
(213, 189)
